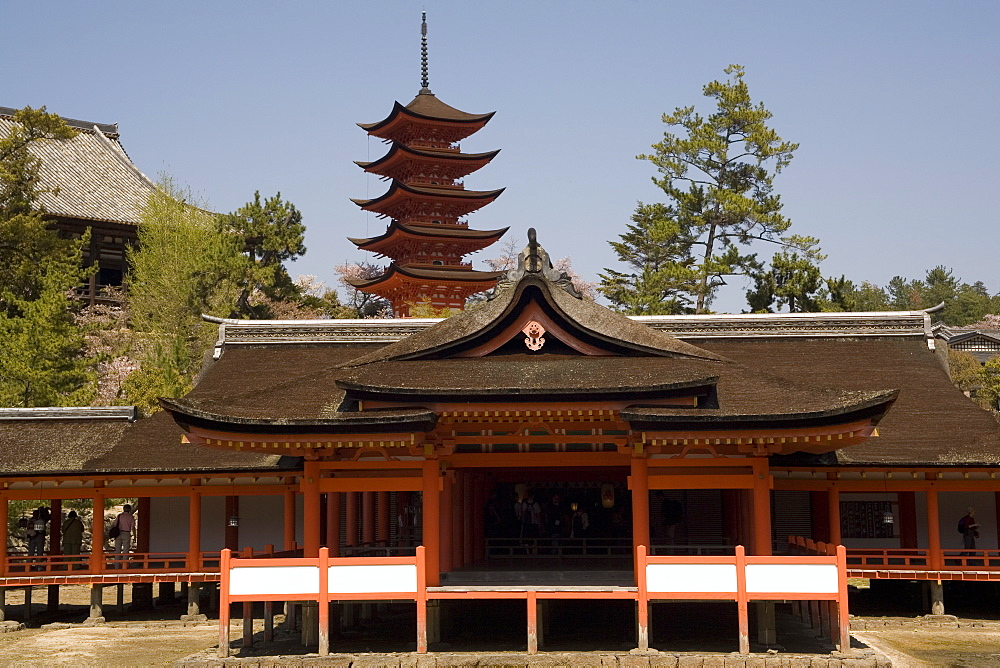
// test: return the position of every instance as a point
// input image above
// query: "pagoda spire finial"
(424, 84)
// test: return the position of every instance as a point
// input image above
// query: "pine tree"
(42, 360)
(718, 174)
(271, 232)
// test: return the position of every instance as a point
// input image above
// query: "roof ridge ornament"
(424, 83)
(535, 260)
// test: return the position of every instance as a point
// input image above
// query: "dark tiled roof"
(100, 445)
(931, 421)
(434, 232)
(428, 106)
(532, 375)
(443, 273)
(435, 154)
(95, 177)
(588, 316)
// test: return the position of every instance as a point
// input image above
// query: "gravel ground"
(920, 648)
(126, 645)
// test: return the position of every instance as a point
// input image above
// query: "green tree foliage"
(718, 174)
(271, 232)
(989, 392)
(793, 281)
(658, 249)
(181, 267)
(964, 304)
(841, 294)
(965, 370)
(41, 359)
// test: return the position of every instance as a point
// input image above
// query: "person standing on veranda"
(126, 527)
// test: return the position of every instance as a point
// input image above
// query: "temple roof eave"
(369, 389)
(652, 418)
(388, 421)
(444, 274)
(396, 228)
(484, 196)
(426, 107)
(429, 154)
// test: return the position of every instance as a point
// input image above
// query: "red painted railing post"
(643, 597)
(532, 602)
(421, 600)
(843, 615)
(324, 601)
(224, 604)
(741, 599)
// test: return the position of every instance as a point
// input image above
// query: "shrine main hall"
(537, 450)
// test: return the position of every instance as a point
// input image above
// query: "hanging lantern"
(608, 495)
(887, 517)
(234, 520)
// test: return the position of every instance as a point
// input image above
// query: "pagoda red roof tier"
(406, 163)
(428, 118)
(403, 201)
(408, 240)
(439, 287)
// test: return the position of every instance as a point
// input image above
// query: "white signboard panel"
(373, 579)
(792, 578)
(260, 580)
(708, 578)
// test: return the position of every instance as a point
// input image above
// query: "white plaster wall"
(261, 521)
(875, 543)
(952, 506)
(169, 524)
(213, 523)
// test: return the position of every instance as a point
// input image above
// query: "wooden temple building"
(427, 237)
(720, 457)
(90, 183)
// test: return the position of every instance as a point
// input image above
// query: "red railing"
(21, 565)
(904, 559)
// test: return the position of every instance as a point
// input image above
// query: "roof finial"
(424, 84)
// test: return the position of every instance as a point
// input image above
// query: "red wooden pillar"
(933, 529)
(447, 498)
(479, 518)
(55, 528)
(833, 508)
(384, 519)
(458, 521)
(468, 528)
(761, 508)
(4, 510)
(333, 523)
(639, 483)
(351, 518)
(907, 520)
(310, 509)
(289, 520)
(368, 518)
(820, 516)
(996, 497)
(97, 535)
(232, 532)
(143, 525)
(194, 530)
(432, 521)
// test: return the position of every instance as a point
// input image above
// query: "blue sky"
(894, 105)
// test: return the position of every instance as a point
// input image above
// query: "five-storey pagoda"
(427, 237)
